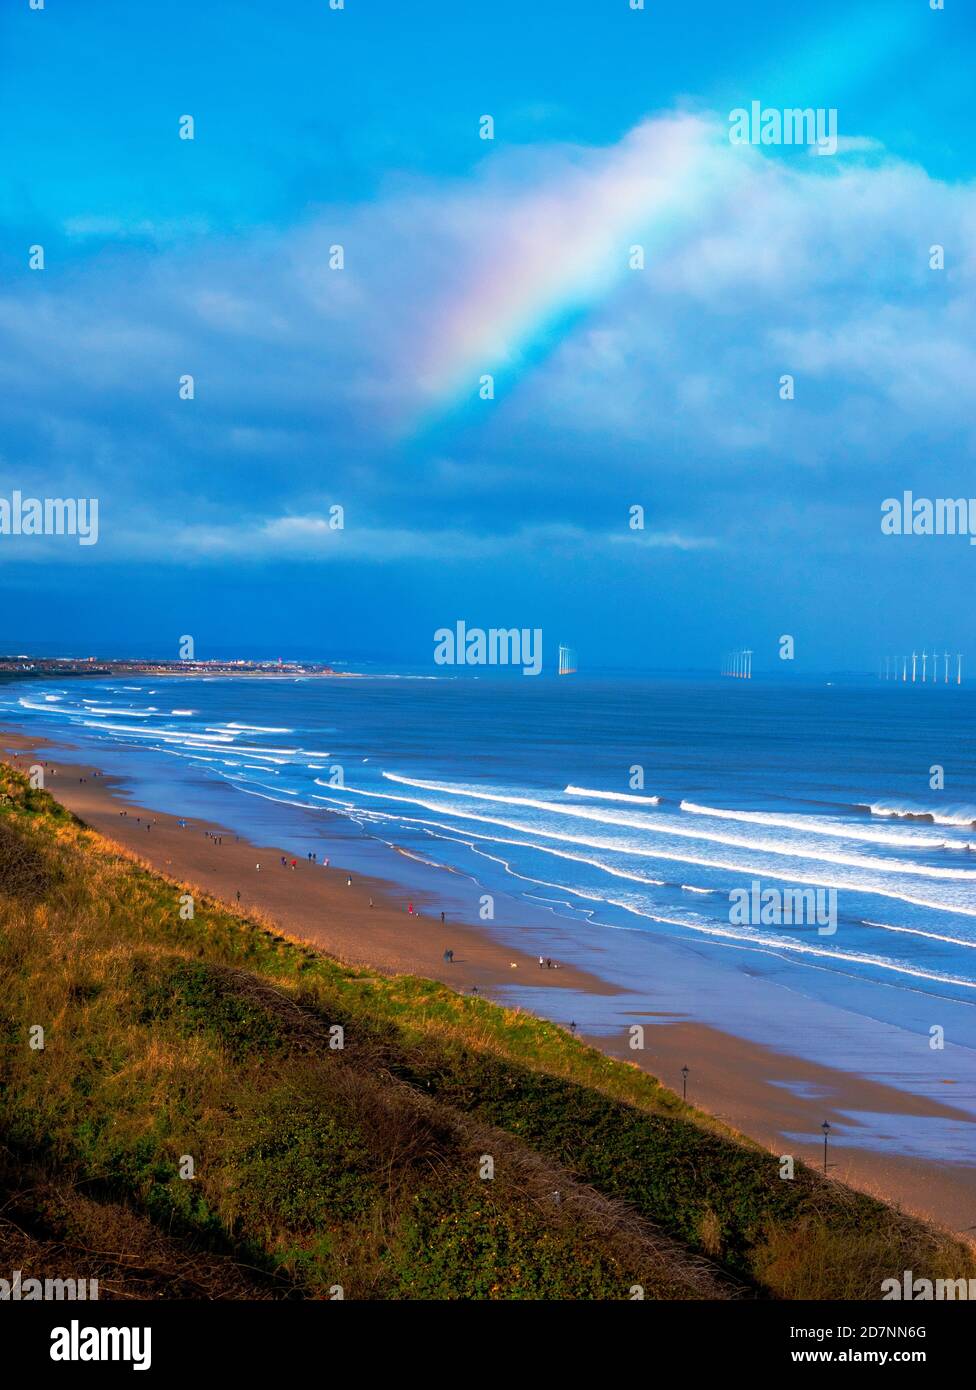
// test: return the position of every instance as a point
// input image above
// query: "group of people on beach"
(547, 963)
(312, 858)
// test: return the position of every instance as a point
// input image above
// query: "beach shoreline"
(762, 1093)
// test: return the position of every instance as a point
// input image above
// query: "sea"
(620, 822)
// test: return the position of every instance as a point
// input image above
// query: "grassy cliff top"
(219, 1111)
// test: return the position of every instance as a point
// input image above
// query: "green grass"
(208, 1042)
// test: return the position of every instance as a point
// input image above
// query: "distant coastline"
(46, 667)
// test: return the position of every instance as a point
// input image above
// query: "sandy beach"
(367, 921)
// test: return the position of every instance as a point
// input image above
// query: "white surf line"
(611, 796)
(738, 869)
(818, 826)
(661, 827)
(917, 931)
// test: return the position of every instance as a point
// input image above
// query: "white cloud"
(665, 385)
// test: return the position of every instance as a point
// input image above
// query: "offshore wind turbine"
(946, 668)
(959, 669)
(925, 657)
(904, 669)
(914, 659)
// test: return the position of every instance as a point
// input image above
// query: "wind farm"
(567, 660)
(915, 669)
(738, 665)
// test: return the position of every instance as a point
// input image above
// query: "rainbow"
(547, 257)
(558, 250)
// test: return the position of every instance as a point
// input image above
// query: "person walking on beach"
(449, 957)
(442, 919)
(410, 908)
(541, 962)
(238, 895)
(348, 882)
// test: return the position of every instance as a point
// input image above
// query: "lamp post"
(684, 1083)
(826, 1130)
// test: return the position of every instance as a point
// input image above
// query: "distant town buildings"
(91, 666)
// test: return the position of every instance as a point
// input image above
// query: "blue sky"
(359, 387)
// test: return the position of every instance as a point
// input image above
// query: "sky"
(361, 387)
